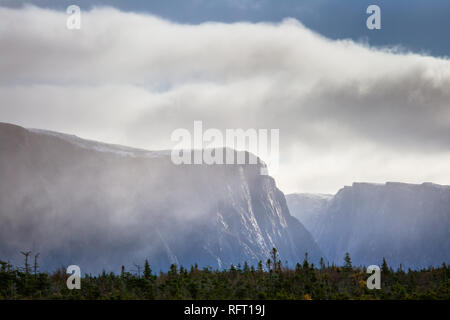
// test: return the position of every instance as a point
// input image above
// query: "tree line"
(269, 280)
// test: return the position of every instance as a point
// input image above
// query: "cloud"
(345, 111)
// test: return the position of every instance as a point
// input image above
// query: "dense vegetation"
(268, 281)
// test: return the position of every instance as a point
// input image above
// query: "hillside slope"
(102, 206)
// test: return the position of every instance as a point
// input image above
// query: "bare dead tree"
(27, 266)
(138, 269)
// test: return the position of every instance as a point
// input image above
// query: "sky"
(351, 104)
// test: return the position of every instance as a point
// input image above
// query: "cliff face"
(308, 207)
(405, 223)
(102, 206)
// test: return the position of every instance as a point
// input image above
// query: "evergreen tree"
(305, 262)
(173, 270)
(348, 262)
(322, 263)
(268, 264)
(260, 266)
(147, 270)
(384, 267)
(246, 267)
(274, 254)
(3, 266)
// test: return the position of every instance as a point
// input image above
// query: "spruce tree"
(322, 263)
(305, 262)
(260, 266)
(268, 264)
(348, 262)
(147, 270)
(274, 258)
(384, 267)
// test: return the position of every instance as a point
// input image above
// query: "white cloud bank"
(345, 112)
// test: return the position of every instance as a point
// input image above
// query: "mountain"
(101, 206)
(308, 207)
(407, 224)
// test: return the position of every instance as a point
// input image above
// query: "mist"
(342, 108)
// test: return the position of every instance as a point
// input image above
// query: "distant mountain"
(308, 207)
(407, 224)
(101, 206)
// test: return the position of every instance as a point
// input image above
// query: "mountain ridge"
(405, 223)
(101, 210)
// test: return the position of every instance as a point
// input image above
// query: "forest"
(271, 279)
